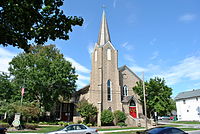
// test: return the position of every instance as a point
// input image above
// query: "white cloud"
(6, 53)
(154, 55)
(153, 41)
(114, 3)
(187, 17)
(78, 67)
(136, 68)
(83, 80)
(4, 64)
(127, 46)
(81, 84)
(129, 58)
(189, 68)
(91, 47)
(5, 57)
(85, 24)
(197, 85)
(153, 68)
(82, 77)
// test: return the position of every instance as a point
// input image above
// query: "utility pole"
(145, 107)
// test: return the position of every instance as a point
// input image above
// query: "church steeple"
(104, 35)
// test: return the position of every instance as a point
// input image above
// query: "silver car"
(76, 129)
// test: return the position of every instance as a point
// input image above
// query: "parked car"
(3, 130)
(171, 117)
(163, 130)
(163, 117)
(76, 129)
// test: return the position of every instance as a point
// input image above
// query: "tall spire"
(104, 35)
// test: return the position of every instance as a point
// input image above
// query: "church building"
(110, 86)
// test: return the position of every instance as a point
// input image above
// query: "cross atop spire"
(104, 35)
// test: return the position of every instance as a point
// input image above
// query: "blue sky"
(161, 38)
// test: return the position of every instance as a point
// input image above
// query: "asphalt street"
(168, 122)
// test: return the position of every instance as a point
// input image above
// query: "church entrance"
(132, 109)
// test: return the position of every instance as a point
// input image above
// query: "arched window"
(95, 55)
(125, 91)
(109, 90)
(132, 103)
(108, 54)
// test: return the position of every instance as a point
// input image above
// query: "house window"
(197, 99)
(125, 91)
(183, 101)
(109, 90)
(95, 55)
(108, 54)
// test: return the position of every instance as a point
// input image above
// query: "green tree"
(158, 96)
(87, 111)
(28, 110)
(6, 87)
(23, 22)
(45, 75)
(107, 117)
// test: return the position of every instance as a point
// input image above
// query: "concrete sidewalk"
(184, 125)
(122, 130)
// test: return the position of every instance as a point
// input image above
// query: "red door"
(132, 110)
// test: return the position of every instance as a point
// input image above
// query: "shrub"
(4, 125)
(89, 124)
(48, 123)
(79, 121)
(119, 116)
(62, 123)
(31, 126)
(107, 117)
(87, 111)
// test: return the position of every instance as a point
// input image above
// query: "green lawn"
(170, 125)
(41, 129)
(45, 129)
(189, 129)
(186, 122)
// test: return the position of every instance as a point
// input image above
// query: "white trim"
(108, 53)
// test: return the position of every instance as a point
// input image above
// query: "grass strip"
(170, 125)
(189, 129)
(42, 129)
(186, 122)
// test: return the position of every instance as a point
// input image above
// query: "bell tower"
(104, 83)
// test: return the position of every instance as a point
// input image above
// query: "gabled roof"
(127, 99)
(83, 89)
(125, 67)
(188, 94)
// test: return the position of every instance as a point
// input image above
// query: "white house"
(188, 105)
